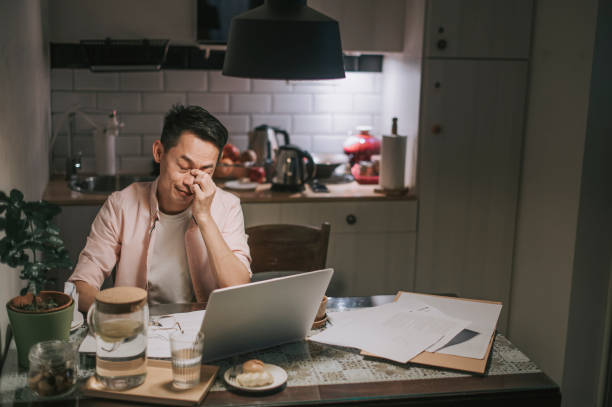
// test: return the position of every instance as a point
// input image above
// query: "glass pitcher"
(118, 319)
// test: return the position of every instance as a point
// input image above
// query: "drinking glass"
(186, 350)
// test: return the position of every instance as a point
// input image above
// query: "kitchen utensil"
(361, 146)
(291, 173)
(264, 141)
(326, 164)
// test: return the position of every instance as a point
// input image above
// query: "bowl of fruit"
(240, 165)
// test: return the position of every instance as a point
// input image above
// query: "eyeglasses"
(166, 322)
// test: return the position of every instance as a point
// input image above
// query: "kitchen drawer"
(344, 217)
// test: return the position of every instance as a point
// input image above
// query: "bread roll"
(254, 379)
(253, 374)
(253, 366)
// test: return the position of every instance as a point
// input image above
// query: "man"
(180, 236)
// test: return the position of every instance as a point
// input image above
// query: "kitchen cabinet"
(472, 117)
(372, 244)
(478, 28)
(367, 25)
(372, 252)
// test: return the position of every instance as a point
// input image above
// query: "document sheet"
(396, 331)
(474, 341)
(158, 334)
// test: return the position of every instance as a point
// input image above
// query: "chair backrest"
(288, 247)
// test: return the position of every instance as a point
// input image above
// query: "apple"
(231, 151)
(248, 156)
(257, 174)
(224, 168)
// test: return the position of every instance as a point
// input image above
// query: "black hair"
(195, 120)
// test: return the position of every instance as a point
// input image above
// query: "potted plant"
(31, 243)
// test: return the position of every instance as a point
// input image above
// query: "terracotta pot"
(31, 327)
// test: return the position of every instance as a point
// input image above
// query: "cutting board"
(157, 387)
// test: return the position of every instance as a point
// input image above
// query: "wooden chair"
(279, 250)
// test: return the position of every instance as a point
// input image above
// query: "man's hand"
(204, 190)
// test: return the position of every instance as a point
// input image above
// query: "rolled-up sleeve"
(103, 246)
(234, 234)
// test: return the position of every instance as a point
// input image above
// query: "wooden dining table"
(329, 375)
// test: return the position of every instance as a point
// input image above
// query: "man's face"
(175, 180)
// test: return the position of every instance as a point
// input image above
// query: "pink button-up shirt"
(123, 234)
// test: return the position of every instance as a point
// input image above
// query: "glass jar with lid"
(118, 319)
(53, 368)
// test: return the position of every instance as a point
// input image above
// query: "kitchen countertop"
(57, 192)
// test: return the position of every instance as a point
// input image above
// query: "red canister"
(361, 146)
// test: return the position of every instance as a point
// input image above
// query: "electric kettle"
(264, 141)
(293, 168)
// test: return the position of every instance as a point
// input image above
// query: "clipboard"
(450, 361)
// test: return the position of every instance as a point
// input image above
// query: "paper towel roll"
(393, 162)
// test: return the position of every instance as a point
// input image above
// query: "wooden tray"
(157, 387)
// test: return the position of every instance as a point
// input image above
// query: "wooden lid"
(118, 300)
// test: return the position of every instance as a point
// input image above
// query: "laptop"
(259, 315)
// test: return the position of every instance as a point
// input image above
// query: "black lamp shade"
(284, 39)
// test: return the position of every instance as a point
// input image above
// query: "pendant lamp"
(284, 39)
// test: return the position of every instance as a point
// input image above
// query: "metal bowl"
(326, 163)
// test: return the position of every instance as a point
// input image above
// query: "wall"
(318, 115)
(587, 340)
(557, 108)
(24, 112)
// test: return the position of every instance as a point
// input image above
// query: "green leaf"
(3, 197)
(16, 195)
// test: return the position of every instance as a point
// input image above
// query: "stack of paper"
(415, 323)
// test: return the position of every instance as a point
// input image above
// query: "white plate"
(76, 322)
(279, 375)
(244, 186)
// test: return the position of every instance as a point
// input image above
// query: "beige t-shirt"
(168, 276)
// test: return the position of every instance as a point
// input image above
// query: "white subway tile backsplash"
(240, 140)
(161, 102)
(292, 103)
(83, 143)
(235, 123)
(136, 165)
(356, 82)
(347, 122)
(302, 141)
(367, 104)
(185, 80)
(60, 147)
(250, 103)
(276, 120)
(120, 101)
(86, 80)
(328, 144)
(328, 86)
(314, 123)
(128, 145)
(142, 123)
(83, 125)
(318, 114)
(141, 81)
(220, 83)
(61, 79)
(147, 142)
(214, 103)
(333, 103)
(271, 86)
(61, 101)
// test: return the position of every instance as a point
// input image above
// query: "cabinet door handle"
(436, 129)
(351, 219)
(442, 44)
